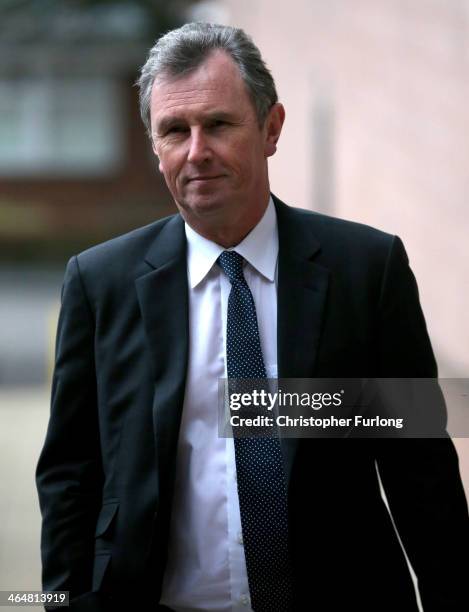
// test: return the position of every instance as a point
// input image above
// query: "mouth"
(203, 178)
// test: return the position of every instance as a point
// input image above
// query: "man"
(144, 505)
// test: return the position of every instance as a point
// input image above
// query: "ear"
(273, 127)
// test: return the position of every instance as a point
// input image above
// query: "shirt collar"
(259, 248)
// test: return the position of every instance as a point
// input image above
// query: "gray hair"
(181, 51)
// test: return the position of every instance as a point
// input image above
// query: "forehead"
(214, 85)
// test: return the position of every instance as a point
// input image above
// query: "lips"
(203, 178)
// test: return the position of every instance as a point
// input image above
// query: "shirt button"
(240, 538)
(244, 599)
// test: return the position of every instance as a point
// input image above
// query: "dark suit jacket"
(347, 306)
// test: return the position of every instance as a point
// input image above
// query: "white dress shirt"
(206, 567)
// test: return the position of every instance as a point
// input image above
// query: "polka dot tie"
(259, 465)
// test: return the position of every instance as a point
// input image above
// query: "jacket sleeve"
(420, 476)
(69, 473)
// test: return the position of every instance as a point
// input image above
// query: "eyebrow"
(168, 122)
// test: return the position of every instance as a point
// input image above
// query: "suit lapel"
(302, 292)
(163, 300)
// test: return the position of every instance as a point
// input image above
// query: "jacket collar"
(302, 292)
(163, 300)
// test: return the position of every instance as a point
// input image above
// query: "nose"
(199, 149)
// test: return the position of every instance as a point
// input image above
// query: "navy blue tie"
(259, 465)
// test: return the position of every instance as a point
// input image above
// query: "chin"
(204, 206)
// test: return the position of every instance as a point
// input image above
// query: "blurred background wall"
(376, 131)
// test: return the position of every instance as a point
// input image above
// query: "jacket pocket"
(106, 518)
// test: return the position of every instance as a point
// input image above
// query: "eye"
(177, 129)
(217, 123)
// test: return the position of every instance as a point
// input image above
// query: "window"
(60, 127)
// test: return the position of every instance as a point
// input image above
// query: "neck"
(229, 233)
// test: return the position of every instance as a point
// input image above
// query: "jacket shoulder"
(336, 238)
(133, 243)
(327, 227)
(116, 263)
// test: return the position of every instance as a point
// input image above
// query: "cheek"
(249, 152)
(248, 162)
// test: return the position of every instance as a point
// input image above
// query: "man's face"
(211, 150)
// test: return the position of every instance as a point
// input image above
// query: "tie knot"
(232, 265)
